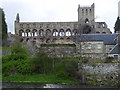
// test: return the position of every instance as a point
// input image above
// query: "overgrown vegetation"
(109, 59)
(4, 30)
(40, 78)
(19, 63)
(117, 25)
(57, 45)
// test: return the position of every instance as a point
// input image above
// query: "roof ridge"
(112, 49)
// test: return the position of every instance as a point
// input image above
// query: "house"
(98, 45)
(115, 51)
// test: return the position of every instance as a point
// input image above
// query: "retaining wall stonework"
(103, 72)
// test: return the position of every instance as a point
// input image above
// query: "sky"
(57, 11)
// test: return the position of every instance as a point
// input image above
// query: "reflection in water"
(39, 85)
(36, 85)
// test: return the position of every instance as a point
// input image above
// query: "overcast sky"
(57, 11)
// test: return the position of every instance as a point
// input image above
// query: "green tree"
(117, 25)
(17, 62)
(42, 63)
(4, 29)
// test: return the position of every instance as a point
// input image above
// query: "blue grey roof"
(115, 50)
(108, 39)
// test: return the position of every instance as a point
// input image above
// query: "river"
(38, 85)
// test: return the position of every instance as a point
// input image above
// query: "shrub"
(42, 63)
(25, 66)
(19, 66)
(108, 59)
(65, 68)
(17, 62)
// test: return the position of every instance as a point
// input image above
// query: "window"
(21, 25)
(89, 46)
(41, 25)
(97, 32)
(115, 56)
(110, 48)
(34, 25)
(82, 11)
(90, 11)
(99, 46)
(104, 32)
(27, 25)
(47, 25)
(86, 12)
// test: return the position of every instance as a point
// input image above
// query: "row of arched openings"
(48, 40)
(48, 32)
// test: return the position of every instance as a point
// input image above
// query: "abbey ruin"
(86, 37)
(61, 32)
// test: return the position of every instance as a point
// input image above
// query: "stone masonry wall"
(60, 51)
(101, 72)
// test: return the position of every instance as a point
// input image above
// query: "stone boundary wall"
(100, 72)
(102, 68)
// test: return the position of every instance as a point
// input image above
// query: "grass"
(41, 78)
(93, 75)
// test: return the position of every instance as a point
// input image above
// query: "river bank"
(41, 78)
(28, 85)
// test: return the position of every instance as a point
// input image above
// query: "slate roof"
(108, 39)
(115, 50)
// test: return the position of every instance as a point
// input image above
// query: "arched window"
(41, 32)
(103, 25)
(41, 39)
(61, 38)
(61, 33)
(86, 20)
(90, 11)
(21, 33)
(55, 32)
(68, 32)
(74, 32)
(48, 32)
(48, 41)
(21, 40)
(82, 11)
(86, 11)
(68, 38)
(28, 33)
(54, 39)
(27, 39)
(97, 32)
(104, 32)
(34, 32)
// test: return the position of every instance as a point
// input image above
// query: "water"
(38, 85)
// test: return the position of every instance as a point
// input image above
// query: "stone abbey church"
(61, 32)
(89, 38)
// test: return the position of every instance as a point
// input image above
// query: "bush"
(25, 66)
(108, 59)
(17, 62)
(65, 68)
(13, 67)
(42, 63)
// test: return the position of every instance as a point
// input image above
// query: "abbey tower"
(86, 13)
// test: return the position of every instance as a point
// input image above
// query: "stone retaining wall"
(108, 72)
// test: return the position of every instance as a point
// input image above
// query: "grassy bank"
(41, 78)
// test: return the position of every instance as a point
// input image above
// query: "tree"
(117, 25)
(42, 63)
(4, 29)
